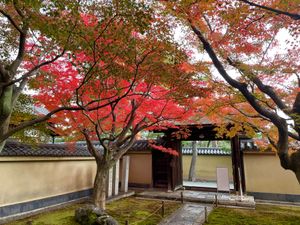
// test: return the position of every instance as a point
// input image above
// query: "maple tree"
(24, 22)
(128, 81)
(35, 34)
(140, 105)
(261, 72)
(115, 126)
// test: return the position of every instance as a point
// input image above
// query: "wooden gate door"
(160, 169)
(166, 168)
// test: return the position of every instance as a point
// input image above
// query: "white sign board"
(222, 179)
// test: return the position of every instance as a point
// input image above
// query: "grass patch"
(131, 209)
(262, 215)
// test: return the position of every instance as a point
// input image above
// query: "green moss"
(262, 215)
(131, 209)
(64, 216)
(135, 210)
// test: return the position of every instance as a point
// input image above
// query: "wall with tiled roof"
(205, 151)
(14, 148)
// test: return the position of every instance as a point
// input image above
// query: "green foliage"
(225, 145)
(23, 111)
(262, 215)
(148, 135)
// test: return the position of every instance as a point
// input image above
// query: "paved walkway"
(204, 184)
(202, 197)
(189, 214)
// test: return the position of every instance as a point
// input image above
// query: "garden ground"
(134, 210)
(262, 215)
(141, 212)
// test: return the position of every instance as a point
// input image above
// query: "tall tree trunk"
(5, 111)
(208, 143)
(192, 172)
(99, 192)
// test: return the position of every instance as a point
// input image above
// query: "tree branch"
(263, 88)
(49, 115)
(18, 90)
(11, 21)
(98, 157)
(124, 149)
(294, 136)
(21, 51)
(293, 16)
(34, 69)
(249, 115)
(242, 87)
(122, 135)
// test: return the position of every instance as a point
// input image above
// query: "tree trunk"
(99, 192)
(208, 143)
(5, 111)
(192, 172)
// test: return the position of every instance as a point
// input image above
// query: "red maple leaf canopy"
(128, 81)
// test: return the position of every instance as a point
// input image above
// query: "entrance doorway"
(200, 160)
(167, 171)
(166, 168)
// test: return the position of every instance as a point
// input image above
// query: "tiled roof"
(205, 151)
(14, 148)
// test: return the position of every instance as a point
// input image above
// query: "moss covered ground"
(139, 212)
(136, 211)
(262, 215)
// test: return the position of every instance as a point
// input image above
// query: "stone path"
(202, 197)
(204, 184)
(189, 214)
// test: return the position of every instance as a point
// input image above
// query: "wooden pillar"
(235, 161)
(116, 178)
(237, 164)
(109, 182)
(175, 165)
(243, 172)
(125, 173)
